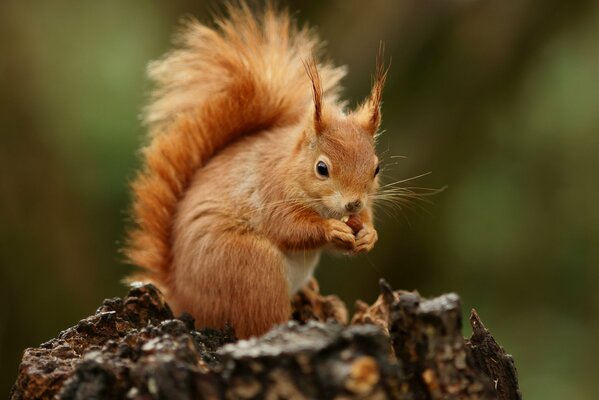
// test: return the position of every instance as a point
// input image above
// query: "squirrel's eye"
(322, 169)
(377, 170)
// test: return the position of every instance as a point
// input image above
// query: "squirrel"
(252, 165)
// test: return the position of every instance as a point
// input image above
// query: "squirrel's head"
(337, 154)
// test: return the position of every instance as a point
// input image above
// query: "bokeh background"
(499, 99)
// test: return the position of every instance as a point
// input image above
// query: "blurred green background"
(499, 99)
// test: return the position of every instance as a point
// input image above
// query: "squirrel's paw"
(340, 235)
(365, 239)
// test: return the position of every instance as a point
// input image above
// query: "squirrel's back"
(241, 76)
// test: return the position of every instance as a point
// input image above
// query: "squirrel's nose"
(353, 206)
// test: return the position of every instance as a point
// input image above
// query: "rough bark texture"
(401, 347)
(490, 358)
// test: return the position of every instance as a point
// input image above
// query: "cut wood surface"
(401, 347)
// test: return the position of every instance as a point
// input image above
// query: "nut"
(355, 223)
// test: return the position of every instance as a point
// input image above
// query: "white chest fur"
(300, 266)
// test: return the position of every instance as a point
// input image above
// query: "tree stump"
(401, 347)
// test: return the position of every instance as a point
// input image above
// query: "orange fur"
(230, 215)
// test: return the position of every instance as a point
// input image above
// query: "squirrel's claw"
(340, 235)
(365, 239)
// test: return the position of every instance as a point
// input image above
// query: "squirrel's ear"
(317, 94)
(369, 113)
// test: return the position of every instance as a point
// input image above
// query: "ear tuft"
(376, 96)
(317, 93)
(369, 113)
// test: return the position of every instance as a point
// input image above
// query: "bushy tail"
(245, 74)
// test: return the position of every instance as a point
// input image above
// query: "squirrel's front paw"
(340, 235)
(365, 239)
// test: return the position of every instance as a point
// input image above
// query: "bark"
(401, 347)
(490, 358)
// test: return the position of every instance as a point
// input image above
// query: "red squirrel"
(252, 165)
